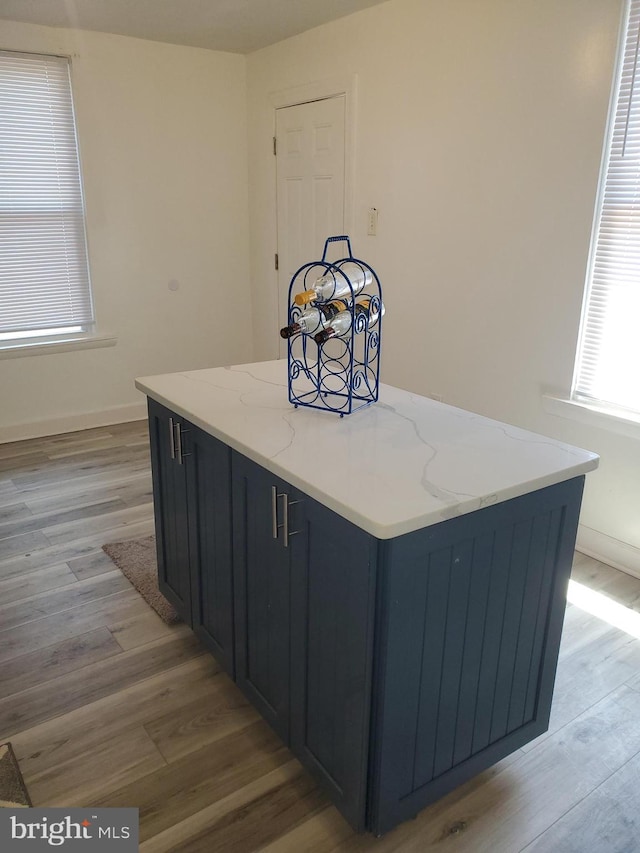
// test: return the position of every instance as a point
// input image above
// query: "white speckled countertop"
(399, 465)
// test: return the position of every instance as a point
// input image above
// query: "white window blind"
(44, 277)
(608, 359)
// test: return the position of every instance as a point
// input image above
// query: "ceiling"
(239, 26)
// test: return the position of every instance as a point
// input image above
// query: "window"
(608, 360)
(45, 291)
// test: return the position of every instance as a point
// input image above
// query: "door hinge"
(275, 257)
(275, 145)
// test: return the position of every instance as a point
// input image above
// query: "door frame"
(319, 90)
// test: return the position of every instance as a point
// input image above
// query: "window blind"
(608, 360)
(44, 277)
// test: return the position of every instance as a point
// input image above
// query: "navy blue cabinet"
(305, 609)
(208, 464)
(170, 510)
(468, 632)
(395, 670)
(262, 593)
(191, 495)
(333, 589)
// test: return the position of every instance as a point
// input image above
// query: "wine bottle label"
(365, 307)
(330, 309)
(341, 325)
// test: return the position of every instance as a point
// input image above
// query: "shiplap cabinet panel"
(332, 630)
(170, 511)
(304, 628)
(208, 465)
(191, 496)
(262, 594)
(469, 631)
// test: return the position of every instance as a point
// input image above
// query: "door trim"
(331, 87)
(321, 90)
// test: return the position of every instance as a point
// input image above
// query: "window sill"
(602, 417)
(19, 350)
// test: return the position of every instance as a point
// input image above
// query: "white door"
(310, 186)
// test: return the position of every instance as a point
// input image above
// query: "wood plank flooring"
(107, 706)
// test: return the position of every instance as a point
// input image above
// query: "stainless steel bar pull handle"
(286, 533)
(179, 444)
(274, 512)
(172, 439)
(285, 515)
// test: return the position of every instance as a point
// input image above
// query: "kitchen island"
(387, 588)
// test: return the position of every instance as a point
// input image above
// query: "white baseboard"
(608, 550)
(74, 423)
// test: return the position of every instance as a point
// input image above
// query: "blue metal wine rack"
(342, 374)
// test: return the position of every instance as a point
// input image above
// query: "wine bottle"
(333, 285)
(341, 324)
(314, 318)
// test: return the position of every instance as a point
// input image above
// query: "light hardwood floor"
(107, 706)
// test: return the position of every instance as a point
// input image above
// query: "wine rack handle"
(341, 239)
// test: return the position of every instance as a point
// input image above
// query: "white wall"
(479, 126)
(162, 133)
(479, 131)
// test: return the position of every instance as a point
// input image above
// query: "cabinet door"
(261, 592)
(471, 616)
(332, 620)
(208, 465)
(170, 510)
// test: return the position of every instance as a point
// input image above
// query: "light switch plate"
(372, 222)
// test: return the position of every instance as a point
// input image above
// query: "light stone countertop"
(398, 465)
